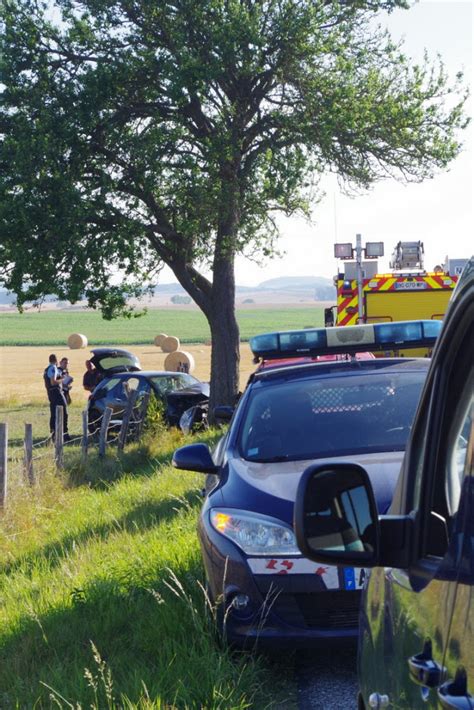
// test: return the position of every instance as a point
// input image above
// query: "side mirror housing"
(223, 413)
(195, 457)
(335, 519)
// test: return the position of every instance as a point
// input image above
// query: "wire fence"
(111, 428)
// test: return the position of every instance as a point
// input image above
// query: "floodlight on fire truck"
(343, 250)
(313, 342)
(373, 250)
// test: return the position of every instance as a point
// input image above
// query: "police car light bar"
(346, 339)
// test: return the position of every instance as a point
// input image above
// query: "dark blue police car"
(344, 408)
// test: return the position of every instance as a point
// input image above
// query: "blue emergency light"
(312, 342)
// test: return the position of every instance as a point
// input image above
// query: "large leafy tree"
(136, 133)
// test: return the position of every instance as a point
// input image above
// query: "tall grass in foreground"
(102, 599)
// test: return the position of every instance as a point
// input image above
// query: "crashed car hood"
(281, 479)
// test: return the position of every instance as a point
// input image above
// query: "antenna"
(335, 215)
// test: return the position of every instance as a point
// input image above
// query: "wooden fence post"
(143, 413)
(28, 460)
(126, 418)
(59, 436)
(3, 464)
(104, 428)
(85, 436)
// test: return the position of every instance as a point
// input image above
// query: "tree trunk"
(217, 299)
(225, 356)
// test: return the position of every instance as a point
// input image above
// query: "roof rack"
(348, 339)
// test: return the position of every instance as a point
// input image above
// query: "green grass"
(53, 327)
(102, 597)
(16, 413)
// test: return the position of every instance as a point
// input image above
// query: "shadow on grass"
(138, 459)
(139, 519)
(143, 638)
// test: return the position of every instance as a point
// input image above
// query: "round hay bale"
(170, 344)
(76, 341)
(159, 339)
(179, 361)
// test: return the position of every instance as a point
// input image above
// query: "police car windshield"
(330, 416)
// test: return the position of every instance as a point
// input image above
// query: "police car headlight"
(254, 534)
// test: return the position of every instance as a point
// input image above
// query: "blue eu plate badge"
(354, 577)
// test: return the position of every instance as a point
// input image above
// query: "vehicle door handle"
(453, 694)
(423, 669)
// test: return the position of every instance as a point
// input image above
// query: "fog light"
(240, 602)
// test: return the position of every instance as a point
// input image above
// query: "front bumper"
(281, 609)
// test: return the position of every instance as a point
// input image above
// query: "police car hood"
(281, 479)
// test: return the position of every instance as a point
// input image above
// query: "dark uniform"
(56, 397)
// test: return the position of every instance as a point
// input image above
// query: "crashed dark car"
(121, 374)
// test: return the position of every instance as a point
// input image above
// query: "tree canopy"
(136, 133)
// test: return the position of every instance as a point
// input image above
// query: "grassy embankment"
(53, 327)
(102, 597)
(100, 571)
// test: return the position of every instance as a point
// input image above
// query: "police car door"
(421, 604)
(457, 689)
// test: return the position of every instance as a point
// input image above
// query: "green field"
(53, 327)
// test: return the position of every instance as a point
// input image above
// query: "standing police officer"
(53, 382)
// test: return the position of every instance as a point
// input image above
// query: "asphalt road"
(327, 679)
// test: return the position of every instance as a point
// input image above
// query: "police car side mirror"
(195, 457)
(335, 519)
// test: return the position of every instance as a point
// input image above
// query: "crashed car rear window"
(305, 419)
(108, 363)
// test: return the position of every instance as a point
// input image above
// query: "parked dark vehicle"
(416, 644)
(121, 374)
(289, 416)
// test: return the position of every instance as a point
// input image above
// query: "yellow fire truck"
(406, 293)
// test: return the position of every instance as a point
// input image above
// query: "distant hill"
(297, 283)
(322, 288)
(297, 288)
(176, 288)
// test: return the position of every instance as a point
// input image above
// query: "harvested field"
(21, 369)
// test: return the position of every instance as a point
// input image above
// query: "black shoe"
(67, 437)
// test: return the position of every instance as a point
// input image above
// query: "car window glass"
(108, 385)
(452, 439)
(170, 383)
(107, 363)
(417, 454)
(309, 418)
(456, 462)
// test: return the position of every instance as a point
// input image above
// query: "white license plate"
(295, 565)
(353, 577)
